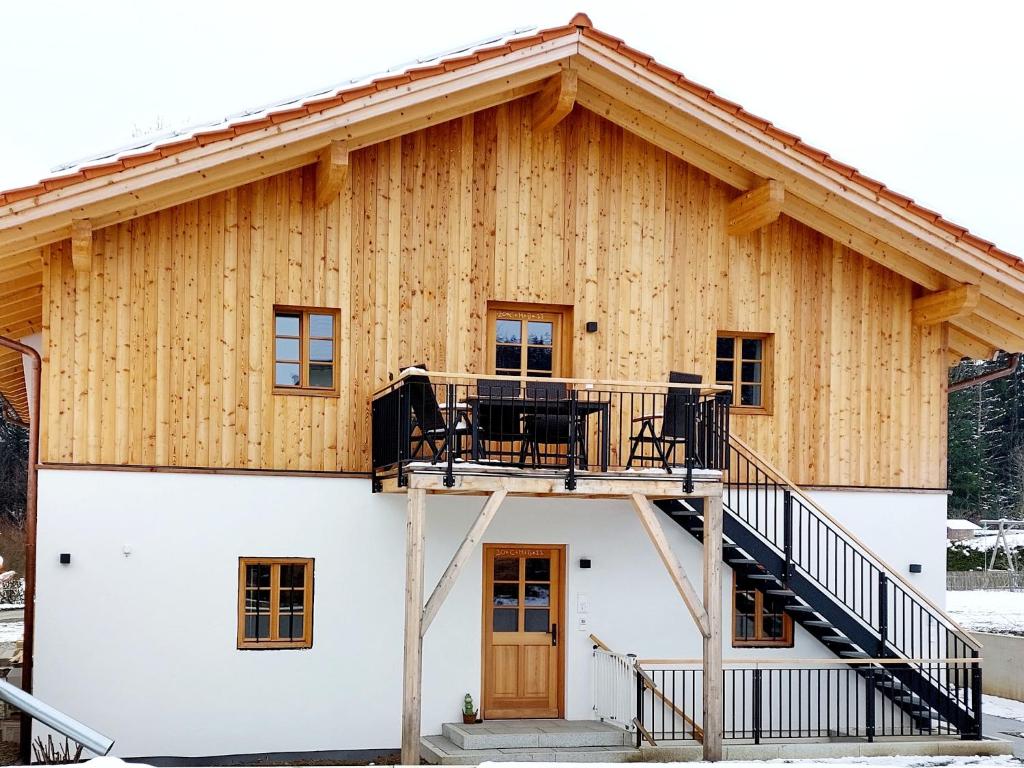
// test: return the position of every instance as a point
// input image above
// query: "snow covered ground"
(995, 610)
(988, 540)
(1008, 708)
(896, 762)
(11, 631)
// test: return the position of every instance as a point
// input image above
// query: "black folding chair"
(678, 424)
(545, 423)
(497, 417)
(429, 424)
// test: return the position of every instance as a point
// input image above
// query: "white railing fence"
(614, 687)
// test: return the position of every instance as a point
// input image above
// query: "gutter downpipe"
(1010, 369)
(25, 746)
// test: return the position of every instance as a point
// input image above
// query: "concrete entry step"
(520, 734)
(439, 750)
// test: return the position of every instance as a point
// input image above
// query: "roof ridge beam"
(555, 100)
(756, 209)
(945, 305)
(81, 245)
(331, 172)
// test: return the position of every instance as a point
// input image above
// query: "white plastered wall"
(141, 644)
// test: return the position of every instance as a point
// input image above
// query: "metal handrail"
(866, 551)
(441, 376)
(55, 719)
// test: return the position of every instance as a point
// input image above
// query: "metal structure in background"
(28, 646)
(1002, 526)
(55, 719)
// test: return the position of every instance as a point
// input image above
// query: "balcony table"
(523, 406)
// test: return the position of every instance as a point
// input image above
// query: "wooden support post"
(412, 679)
(714, 717)
(462, 554)
(938, 307)
(555, 101)
(755, 209)
(331, 172)
(649, 519)
(81, 245)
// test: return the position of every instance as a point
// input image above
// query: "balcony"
(472, 433)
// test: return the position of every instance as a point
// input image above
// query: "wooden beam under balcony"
(946, 305)
(757, 208)
(331, 172)
(529, 483)
(555, 101)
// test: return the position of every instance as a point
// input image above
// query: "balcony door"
(523, 636)
(529, 340)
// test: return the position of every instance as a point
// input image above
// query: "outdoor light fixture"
(65, 558)
(592, 326)
(915, 567)
(584, 562)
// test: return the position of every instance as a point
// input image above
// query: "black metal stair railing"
(837, 562)
(852, 602)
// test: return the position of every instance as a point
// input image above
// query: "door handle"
(554, 634)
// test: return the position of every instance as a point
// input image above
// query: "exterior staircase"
(842, 594)
(577, 741)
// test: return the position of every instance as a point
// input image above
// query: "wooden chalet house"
(492, 346)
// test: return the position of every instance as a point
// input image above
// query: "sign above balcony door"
(529, 340)
(523, 632)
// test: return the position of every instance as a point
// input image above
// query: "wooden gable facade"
(617, 203)
(161, 353)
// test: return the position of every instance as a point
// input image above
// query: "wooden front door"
(523, 632)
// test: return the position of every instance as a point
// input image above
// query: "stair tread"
(837, 639)
(796, 608)
(855, 654)
(781, 593)
(762, 577)
(819, 624)
(742, 561)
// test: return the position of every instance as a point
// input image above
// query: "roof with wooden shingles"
(985, 303)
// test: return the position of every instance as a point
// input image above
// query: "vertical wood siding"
(162, 354)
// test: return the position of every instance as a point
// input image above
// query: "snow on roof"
(152, 141)
(961, 525)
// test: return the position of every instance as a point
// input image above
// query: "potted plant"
(468, 710)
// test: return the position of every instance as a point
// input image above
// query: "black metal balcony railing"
(565, 426)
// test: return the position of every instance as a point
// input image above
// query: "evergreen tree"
(986, 441)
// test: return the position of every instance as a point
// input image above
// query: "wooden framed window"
(528, 340)
(275, 602)
(758, 620)
(305, 351)
(744, 362)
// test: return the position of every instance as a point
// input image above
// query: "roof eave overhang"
(622, 86)
(290, 143)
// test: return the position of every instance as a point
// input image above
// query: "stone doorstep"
(437, 750)
(504, 734)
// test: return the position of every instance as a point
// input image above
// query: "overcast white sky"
(924, 96)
